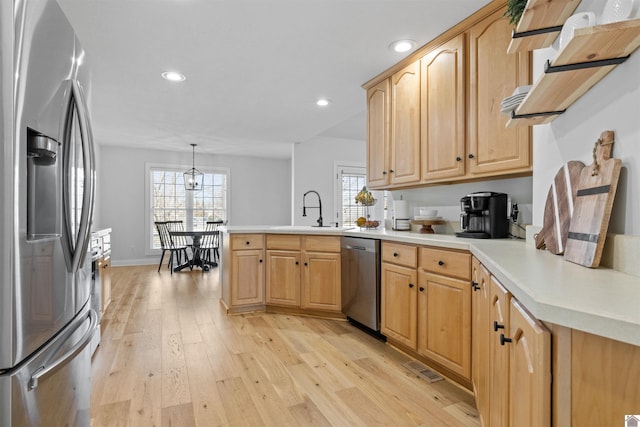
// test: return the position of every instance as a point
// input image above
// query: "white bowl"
(428, 212)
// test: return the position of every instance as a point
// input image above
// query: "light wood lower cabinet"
(425, 307)
(512, 373)
(247, 269)
(303, 272)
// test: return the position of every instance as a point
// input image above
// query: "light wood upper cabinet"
(378, 140)
(443, 121)
(529, 370)
(404, 165)
(493, 75)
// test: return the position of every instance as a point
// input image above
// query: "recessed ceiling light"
(402, 45)
(322, 102)
(172, 76)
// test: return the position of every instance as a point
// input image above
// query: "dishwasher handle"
(356, 247)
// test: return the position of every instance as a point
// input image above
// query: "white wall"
(313, 163)
(612, 104)
(259, 194)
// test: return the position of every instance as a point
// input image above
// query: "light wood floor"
(170, 356)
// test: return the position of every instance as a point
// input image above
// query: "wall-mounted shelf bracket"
(531, 115)
(516, 35)
(548, 68)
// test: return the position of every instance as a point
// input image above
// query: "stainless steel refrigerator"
(47, 187)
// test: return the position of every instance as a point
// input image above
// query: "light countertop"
(601, 301)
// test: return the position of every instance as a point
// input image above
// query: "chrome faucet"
(304, 207)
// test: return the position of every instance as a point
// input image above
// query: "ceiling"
(254, 68)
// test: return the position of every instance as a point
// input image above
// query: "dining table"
(196, 261)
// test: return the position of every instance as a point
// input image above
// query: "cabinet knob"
(297, 263)
(248, 242)
(503, 339)
(395, 254)
(471, 156)
(458, 159)
(475, 286)
(497, 326)
(390, 170)
(411, 285)
(421, 289)
(306, 265)
(260, 260)
(384, 172)
(440, 263)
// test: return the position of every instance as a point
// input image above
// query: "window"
(168, 200)
(350, 180)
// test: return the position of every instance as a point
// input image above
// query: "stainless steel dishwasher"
(361, 281)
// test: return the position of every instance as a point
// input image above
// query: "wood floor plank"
(170, 355)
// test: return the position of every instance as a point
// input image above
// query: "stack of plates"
(510, 103)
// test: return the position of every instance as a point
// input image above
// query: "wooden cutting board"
(559, 208)
(592, 210)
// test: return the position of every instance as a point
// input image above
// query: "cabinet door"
(480, 336)
(444, 322)
(283, 278)
(321, 281)
(378, 104)
(494, 74)
(399, 304)
(247, 272)
(443, 130)
(529, 370)
(499, 359)
(404, 166)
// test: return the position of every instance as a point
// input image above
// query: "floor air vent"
(422, 371)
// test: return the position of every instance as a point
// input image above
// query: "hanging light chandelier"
(193, 178)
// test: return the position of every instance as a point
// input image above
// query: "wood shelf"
(540, 24)
(589, 56)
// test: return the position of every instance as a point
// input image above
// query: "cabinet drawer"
(446, 262)
(247, 241)
(322, 243)
(290, 242)
(399, 254)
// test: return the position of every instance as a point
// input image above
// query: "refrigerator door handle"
(76, 253)
(49, 366)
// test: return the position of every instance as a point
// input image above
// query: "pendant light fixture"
(193, 178)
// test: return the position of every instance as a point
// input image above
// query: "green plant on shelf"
(515, 8)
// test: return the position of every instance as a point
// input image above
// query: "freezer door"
(53, 387)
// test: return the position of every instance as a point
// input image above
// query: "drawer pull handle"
(441, 263)
(475, 286)
(503, 339)
(497, 326)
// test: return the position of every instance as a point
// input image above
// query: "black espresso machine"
(484, 215)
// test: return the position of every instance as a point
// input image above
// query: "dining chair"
(210, 243)
(178, 225)
(167, 244)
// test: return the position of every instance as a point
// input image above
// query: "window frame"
(148, 234)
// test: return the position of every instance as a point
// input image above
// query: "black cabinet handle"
(297, 263)
(384, 172)
(440, 263)
(395, 254)
(390, 170)
(503, 339)
(248, 242)
(475, 286)
(305, 264)
(421, 289)
(411, 285)
(471, 156)
(260, 261)
(497, 326)
(458, 159)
